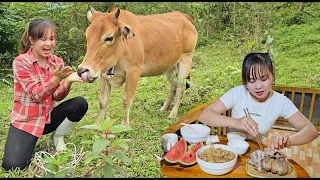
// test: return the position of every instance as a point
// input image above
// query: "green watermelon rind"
(193, 151)
(183, 148)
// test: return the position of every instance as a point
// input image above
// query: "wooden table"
(238, 171)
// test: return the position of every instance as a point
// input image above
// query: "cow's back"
(162, 38)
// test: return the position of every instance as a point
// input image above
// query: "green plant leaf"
(49, 175)
(124, 146)
(119, 170)
(99, 145)
(107, 171)
(111, 136)
(87, 142)
(89, 158)
(52, 167)
(92, 126)
(65, 156)
(98, 170)
(60, 174)
(50, 160)
(119, 128)
(108, 160)
(108, 123)
(120, 155)
(68, 171)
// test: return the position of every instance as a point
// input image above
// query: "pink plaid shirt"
(34, 93)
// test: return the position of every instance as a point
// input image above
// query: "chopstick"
(246, 111)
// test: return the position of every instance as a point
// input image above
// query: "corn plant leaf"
(120, 155)
(99, 145)
(107, 171)
(119, 128)
(92, 126)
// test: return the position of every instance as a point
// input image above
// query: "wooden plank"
(302, 102)
(292, 96)
(311, 106)
(296, 89)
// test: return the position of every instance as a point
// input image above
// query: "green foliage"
(108, 152)
(59, 166)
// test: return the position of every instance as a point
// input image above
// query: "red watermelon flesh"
(172, 156)
(189, 157)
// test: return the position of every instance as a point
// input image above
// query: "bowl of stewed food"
(216, 159)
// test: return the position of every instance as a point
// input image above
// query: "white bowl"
(216, 168)
(239, 146)
(191, 136)
(236, 135)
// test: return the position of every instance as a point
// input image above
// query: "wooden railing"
(307, 100)
(309, 105)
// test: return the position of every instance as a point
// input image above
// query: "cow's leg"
(105, 89)
(171, 76)
(132, 79)
(184, 67)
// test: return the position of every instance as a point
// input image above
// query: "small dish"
(239, 146)
(236, 135)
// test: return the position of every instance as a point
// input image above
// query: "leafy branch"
(106, 151)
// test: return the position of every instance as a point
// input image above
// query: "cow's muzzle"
(85, 75)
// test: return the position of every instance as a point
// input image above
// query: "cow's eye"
(108, 39)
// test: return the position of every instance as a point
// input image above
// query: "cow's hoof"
(125, 123)
(171, 116)
(163, 109)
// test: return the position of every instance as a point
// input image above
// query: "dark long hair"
(36, 29)
(259, 62)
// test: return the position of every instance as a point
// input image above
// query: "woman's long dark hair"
(36, 29)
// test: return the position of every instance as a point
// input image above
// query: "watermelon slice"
(172, 156)
(189, 158)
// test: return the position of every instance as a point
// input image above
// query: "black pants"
(20, 144)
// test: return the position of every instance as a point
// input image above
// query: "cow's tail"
(188, 17)
(188, 81)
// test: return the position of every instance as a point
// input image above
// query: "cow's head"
(105, 43)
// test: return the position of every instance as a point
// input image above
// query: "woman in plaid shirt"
(40, 79)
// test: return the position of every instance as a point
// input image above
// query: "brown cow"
(132, 46)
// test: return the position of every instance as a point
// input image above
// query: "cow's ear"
(117, 13)
(90, 13)
(126, 31)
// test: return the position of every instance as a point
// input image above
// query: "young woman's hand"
(248, 125)
(60, 73)
(279, 142)
(72, 78)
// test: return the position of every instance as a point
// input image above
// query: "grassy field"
(216, 69)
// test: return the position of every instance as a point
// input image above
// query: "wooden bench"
(307, 101)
